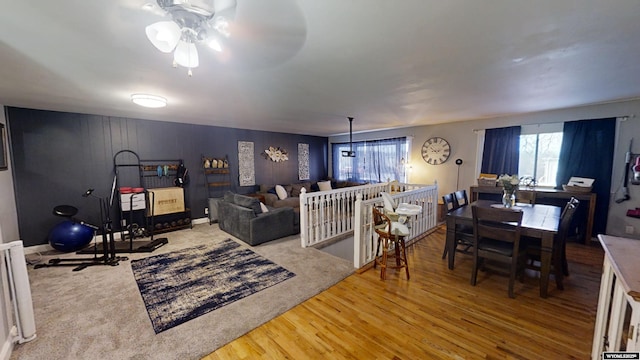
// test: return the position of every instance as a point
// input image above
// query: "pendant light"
(350, 152)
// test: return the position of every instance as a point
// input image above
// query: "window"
(375, 160)
(539, 153)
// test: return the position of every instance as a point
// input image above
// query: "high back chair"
(464, 233)
(534, 248)
(497, 238)
(525, 197)
(450, 202)
(390, 206)
(391, 235)
(461, 197)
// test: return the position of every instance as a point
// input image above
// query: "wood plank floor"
(435, 315)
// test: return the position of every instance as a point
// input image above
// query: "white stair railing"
(365, 239)
(326, 215)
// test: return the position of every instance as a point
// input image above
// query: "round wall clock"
(436, 151)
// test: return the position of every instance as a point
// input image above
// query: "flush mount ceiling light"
(148, 100)
(192, 22)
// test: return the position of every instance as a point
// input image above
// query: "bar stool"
(390, 233)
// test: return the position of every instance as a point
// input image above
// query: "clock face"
(436, 150)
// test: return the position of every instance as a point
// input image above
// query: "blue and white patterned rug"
(182, 285)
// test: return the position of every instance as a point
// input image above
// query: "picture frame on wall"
(4, 159)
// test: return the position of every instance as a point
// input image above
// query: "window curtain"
(587, 151)
(375, 161)
(501, 152)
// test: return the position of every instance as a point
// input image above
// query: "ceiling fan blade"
(265, 33)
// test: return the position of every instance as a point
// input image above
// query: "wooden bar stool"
(390, 233)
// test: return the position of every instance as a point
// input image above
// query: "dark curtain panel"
(587, 151)
(501, 152)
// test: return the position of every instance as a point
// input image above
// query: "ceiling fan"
(245, 33)
(192, 21)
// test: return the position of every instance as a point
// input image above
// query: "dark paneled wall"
(57, 156)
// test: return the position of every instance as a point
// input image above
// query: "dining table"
(538, 221)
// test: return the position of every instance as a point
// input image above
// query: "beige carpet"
(98, 313)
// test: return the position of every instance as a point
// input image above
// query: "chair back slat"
(461, 197)
(497, 224)
(449, 201)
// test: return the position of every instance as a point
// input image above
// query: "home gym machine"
(133, 204)
(72, 234)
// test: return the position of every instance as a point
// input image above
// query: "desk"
(547, 194)
(538, 221)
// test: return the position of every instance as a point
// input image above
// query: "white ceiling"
(304, 66)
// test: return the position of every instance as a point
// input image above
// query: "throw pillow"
(324, 185)
(282, 193)
(264, 207)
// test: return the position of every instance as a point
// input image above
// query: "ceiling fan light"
(164, 35)
(148, 100)
(221, 25)
(213, 43)
(186, 54)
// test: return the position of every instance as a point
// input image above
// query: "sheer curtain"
(501, 152)
(587, 151)
(375, 161)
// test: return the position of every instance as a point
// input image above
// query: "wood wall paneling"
(57, 156)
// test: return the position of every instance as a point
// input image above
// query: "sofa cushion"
(296, 189)
(282, 193)
(229, 197)
(293, 202)
(248, 202)
(266, 187)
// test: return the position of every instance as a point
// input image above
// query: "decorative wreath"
(275, 154)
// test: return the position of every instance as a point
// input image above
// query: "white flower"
(509, 182)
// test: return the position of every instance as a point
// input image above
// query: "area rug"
(180, 286)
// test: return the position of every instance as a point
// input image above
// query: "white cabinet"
(618, 318)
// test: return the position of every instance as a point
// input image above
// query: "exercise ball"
(70, 236)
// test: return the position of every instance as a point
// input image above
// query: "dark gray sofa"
(242, 217)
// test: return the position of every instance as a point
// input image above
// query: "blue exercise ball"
(70, 236)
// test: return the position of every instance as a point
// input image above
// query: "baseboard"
(200, 221)
(37, 249)
(116, 235)
(7, 348)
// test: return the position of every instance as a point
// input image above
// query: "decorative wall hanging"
(275, 154)
(246, 170)
(303, 161)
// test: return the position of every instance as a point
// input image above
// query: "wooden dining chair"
(559, 254)
(391, 236)
(461, 197)
(497, 238)
(525, 197)
(450, 202)
(464, 233)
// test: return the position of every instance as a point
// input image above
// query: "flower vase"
(508, 198)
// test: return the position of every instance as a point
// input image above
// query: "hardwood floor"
(435, 315)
